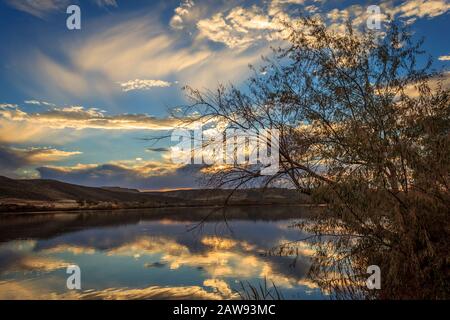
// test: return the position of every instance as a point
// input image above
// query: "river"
(183, 253)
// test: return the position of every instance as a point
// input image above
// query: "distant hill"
(42, 195)
(120, 189)
(52, 190)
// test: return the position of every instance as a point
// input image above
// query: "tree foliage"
(364, 128)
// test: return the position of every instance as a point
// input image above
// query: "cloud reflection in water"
(150, 259)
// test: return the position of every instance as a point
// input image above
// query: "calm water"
(152, 254)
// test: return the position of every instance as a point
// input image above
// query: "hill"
(52, 190)
(48, 195)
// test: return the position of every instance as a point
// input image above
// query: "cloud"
(41, 8)
(158, 149)
(20, 259)
(8, 105)
(12, 158)
(444, 58)
(221, 287)
(32, 290)
(38, 8)
(144, 175)
(153, 292)
(40, 103)
(19, 132)
(241, 27)
(77, 117)
(181, 14)
(68, 248)
(32, 263)
(136, 47)
(216, 259)
(408, 11)
(139, 84)
(219, 258)
(442, 81)
(43, 155)
(60, 77)
(106, 3)
(414, 9)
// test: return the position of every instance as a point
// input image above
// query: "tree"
(363, 129)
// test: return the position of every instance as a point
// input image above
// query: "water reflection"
(151, 254)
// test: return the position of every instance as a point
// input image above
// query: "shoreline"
(98, 210)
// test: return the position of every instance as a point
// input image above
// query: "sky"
(78, 105)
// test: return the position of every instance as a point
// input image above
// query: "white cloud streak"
(41, 8)
(106, 3)
(139, 84)
(38, 8)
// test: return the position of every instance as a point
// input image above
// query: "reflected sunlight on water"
(137, 255)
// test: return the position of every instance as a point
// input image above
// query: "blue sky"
(74, 104)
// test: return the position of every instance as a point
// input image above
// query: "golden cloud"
(64, 248)
(44, 155)
(34, 290)
(217, 261)
(19, 126)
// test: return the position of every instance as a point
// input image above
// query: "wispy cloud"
(444, 58)
(30, 290)
(38, 8)
(133, 48)
(44, 155)
(140, 47)
(139, 84)
(158, 149)
(40, 103)
(41, 8)
(8, 106)
(106, 3)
